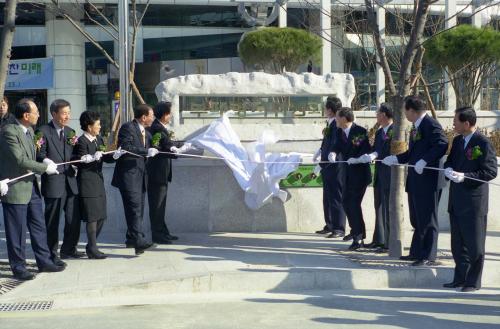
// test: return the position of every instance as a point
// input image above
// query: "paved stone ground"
(333, 309)
(233, 263)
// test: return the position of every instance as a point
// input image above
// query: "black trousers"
(352, 198)
(53, 207)
(468, 237)
(423, 217)
(133, 205)
(333, 210)
(382, 224)
(18, 218)
(157, 200)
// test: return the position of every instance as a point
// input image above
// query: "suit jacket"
(90, 179)
(430, 145)
(7, 119)
(353, 146)
(53, 186)
(382, 145)
(18, 157)
(470, 198)
(160, 167)
(130, 170)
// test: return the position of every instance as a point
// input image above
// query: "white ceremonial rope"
(57, 164)
(305, 163)
(443, 169)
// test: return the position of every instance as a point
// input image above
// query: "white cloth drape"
(259, 179)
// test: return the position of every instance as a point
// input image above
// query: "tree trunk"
(396, 209)
(6, 42)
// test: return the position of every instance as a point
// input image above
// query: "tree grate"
(8, 285)
(26, 306)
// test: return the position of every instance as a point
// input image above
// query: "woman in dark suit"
(89, 149)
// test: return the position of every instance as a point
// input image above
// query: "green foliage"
(469, 55)
(463, 44)
(277, 49)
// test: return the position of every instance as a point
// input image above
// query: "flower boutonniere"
(387, 136)
(326, 131)
(358, 139)
(102, 147)
(473, 153)
(171, 135)
(415, 135)
(38, 140)
(72, 139)
(156, 139)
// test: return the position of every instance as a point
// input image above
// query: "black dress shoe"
(373, 245)
(76, 254)
(24, 275)
(51, 268)
(323, 231)
(382, 250)
(425, 262)
(162, 241)
(95, 254)
(409, 257)
(57, 261)
(453, 285)
(141, 248)
(356, 245)
(335, 235)
(129, 245)
(172, 237)
(347, 237)
(468, 289)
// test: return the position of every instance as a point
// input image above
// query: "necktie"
(61, 135)
(143, 133)
(30, 143)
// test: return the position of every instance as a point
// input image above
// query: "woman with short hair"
(90, 148)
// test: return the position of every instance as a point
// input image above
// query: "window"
(194, 47)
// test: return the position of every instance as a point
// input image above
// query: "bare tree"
(9, 27)
(91, 11)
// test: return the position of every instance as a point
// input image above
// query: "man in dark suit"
(332, 175)
(352, 142)
(22, 204)
(5, 116)
(428, 144)
(160, 172)
(382, 181)
(60, 192)
(471, 156)
(130, 175)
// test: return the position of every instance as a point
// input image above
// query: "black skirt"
(93, 209)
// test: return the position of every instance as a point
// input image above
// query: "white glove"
(51, 169)
(75, 168)
(332, 157)
(368, 158)
(152, 152)
(317, 156)
(317, 170)
(391, 160)
(98, 156)
(4, 188)
(185, 147)
(175, 150)
(419, 166)
(47, 161)
(457, 177)
(87, 158)
(352, 161)
(448, 172)
(118, 153)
